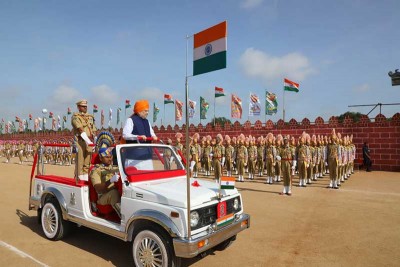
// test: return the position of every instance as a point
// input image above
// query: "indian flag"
(168, 99)
(225, 220)
(290, 86)
(219, 92)
(227, 183)
(210, 49)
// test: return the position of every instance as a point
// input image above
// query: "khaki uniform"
(333, 163)
(219, 154)
(287, 156)
(260, 159)
(100, 175)
(229, 153)
(303, 161)
(241, 160)
(86, 122)
(252, 151)
(270, 154)
(206, 160)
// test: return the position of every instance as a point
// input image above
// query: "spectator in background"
(367, 157)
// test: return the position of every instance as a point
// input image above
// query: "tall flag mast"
(209, 54)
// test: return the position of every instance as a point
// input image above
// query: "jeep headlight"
(194, 218)
(236, 204)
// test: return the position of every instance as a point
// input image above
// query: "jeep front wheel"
(53, 225)
(150, 248)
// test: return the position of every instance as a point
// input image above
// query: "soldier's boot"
(309, 181)
(276, 178)
(279, 178)
(289, 192)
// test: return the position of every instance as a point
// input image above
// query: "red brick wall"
(382, 134)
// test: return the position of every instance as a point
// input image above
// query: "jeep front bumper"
(185, 248)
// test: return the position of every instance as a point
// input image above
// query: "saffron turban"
(141, 105)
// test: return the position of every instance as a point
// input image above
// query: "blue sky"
(54, 53)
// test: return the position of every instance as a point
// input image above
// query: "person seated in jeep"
(103, 176)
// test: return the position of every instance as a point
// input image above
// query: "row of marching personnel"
(275, 157)
(24, 151)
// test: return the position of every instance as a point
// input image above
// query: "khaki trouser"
(217, 169)
(301, 167)
(286, 170)
(333, 169)
(111, 198)
(83, 157)
(252, 166)
(270, 168)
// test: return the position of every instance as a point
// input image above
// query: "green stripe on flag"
(210, 63)
(227, 187)
(292, 89)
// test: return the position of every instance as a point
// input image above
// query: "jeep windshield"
(150, 162)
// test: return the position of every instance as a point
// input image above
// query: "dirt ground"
(357, 225)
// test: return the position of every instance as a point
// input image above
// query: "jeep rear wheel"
(150, 248)
(53, 225)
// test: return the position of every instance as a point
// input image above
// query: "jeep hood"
(173, 192)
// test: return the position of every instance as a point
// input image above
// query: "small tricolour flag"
(227, 183)
(95, 108)
(219, 91)
(290, 86)
(168, 99)
(225, 220)
(127, 103)
(209, 51)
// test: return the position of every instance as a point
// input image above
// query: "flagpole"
(283, 103)
(187, 145)
(214, 109)
(265, 106)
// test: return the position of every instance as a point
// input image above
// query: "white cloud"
(103, 94)
(249, 4)
(362, 88)
(258, 64)
(63, 95)
(151, 94)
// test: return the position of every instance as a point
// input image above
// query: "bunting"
(109, 117)
(192, 108)
(254, 105)
(203, 108)
(236, 107)
(102, 118)
(271, 104)
(156, 110)
(178, 110)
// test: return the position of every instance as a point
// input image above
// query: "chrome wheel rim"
(149, 253)
(49, 220)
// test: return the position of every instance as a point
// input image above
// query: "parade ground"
(356, 225)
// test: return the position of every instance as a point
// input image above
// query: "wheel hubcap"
(49, 220)
(150, 253)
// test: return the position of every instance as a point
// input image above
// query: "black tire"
(227, 243)
(53, 225)
(151, 248)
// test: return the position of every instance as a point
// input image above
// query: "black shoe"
(336, 187)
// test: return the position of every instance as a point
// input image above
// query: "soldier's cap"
(105, 151)
(82, 102)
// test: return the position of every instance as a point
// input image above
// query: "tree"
(354, 115)
(221, 121)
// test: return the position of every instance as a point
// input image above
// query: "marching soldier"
(279, 144)
(194, 155)
(7, 151)
(84, 130)
(241, 157)
(229, 153)
(252, 152)
(287, 155)
(207, 155)
(333, 160)
(303, 160)
(270, 157)
(260, 156)
(20, 151)
(218, 157)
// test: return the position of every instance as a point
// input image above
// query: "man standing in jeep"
(84, 131)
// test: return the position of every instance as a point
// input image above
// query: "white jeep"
(154, 206)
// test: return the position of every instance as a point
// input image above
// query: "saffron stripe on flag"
(211, 34)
